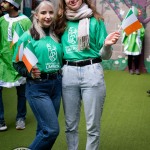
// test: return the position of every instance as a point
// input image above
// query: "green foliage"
(117, 64)
(147, 65)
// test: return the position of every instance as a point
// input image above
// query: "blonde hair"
(36, 30)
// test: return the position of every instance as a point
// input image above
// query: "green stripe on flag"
(18, 29)
(130, 12)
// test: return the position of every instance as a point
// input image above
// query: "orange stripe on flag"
(17, 56)
(133, 27)
(27, 63)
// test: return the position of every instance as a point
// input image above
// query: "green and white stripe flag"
(17, 33)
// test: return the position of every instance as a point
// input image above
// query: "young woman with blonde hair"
(44, 81)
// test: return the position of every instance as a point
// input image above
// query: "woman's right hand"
(35, 72)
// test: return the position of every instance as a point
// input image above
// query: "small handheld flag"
(130, 24)
(20, 48)
(29, 58)
(17, 33)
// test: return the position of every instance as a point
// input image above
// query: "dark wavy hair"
(60, 19)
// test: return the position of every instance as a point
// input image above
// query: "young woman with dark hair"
(85, 43)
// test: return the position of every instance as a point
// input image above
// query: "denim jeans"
(133, 60)
(21, 103)
(44, 99)
(87, 84)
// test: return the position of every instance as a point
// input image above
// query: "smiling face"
(45, 16)
(73, 4)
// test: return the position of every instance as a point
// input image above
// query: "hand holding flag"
(35, 73)
(112, 38)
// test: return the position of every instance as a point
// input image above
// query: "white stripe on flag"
(128, 21)
(15, 37)
(21, 49)
(30, 57)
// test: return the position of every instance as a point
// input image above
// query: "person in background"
(44, 80)
(133, 46)
(8, 76)
(85, 43)
(1, 11)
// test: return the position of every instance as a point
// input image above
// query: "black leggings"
(135, 59)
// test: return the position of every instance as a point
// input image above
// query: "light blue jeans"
(87, 84)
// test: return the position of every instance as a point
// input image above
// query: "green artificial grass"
(125, 123)
(126, 115)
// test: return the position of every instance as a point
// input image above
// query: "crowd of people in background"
(68, 45)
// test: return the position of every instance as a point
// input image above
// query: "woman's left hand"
(112, 38)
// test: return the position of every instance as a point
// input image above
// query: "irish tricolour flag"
(29, 58)
(20, 51)
(17, 33)
(130, 24)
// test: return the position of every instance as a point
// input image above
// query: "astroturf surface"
(125, 123)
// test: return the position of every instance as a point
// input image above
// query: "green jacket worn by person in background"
(133, 42)
(9, 77)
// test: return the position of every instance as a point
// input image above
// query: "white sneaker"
(131, 72)
(3, 127)
(137, 72)
(20, 124)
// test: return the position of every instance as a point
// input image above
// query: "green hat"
(16, 3)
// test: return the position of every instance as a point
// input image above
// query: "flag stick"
(119, 29)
